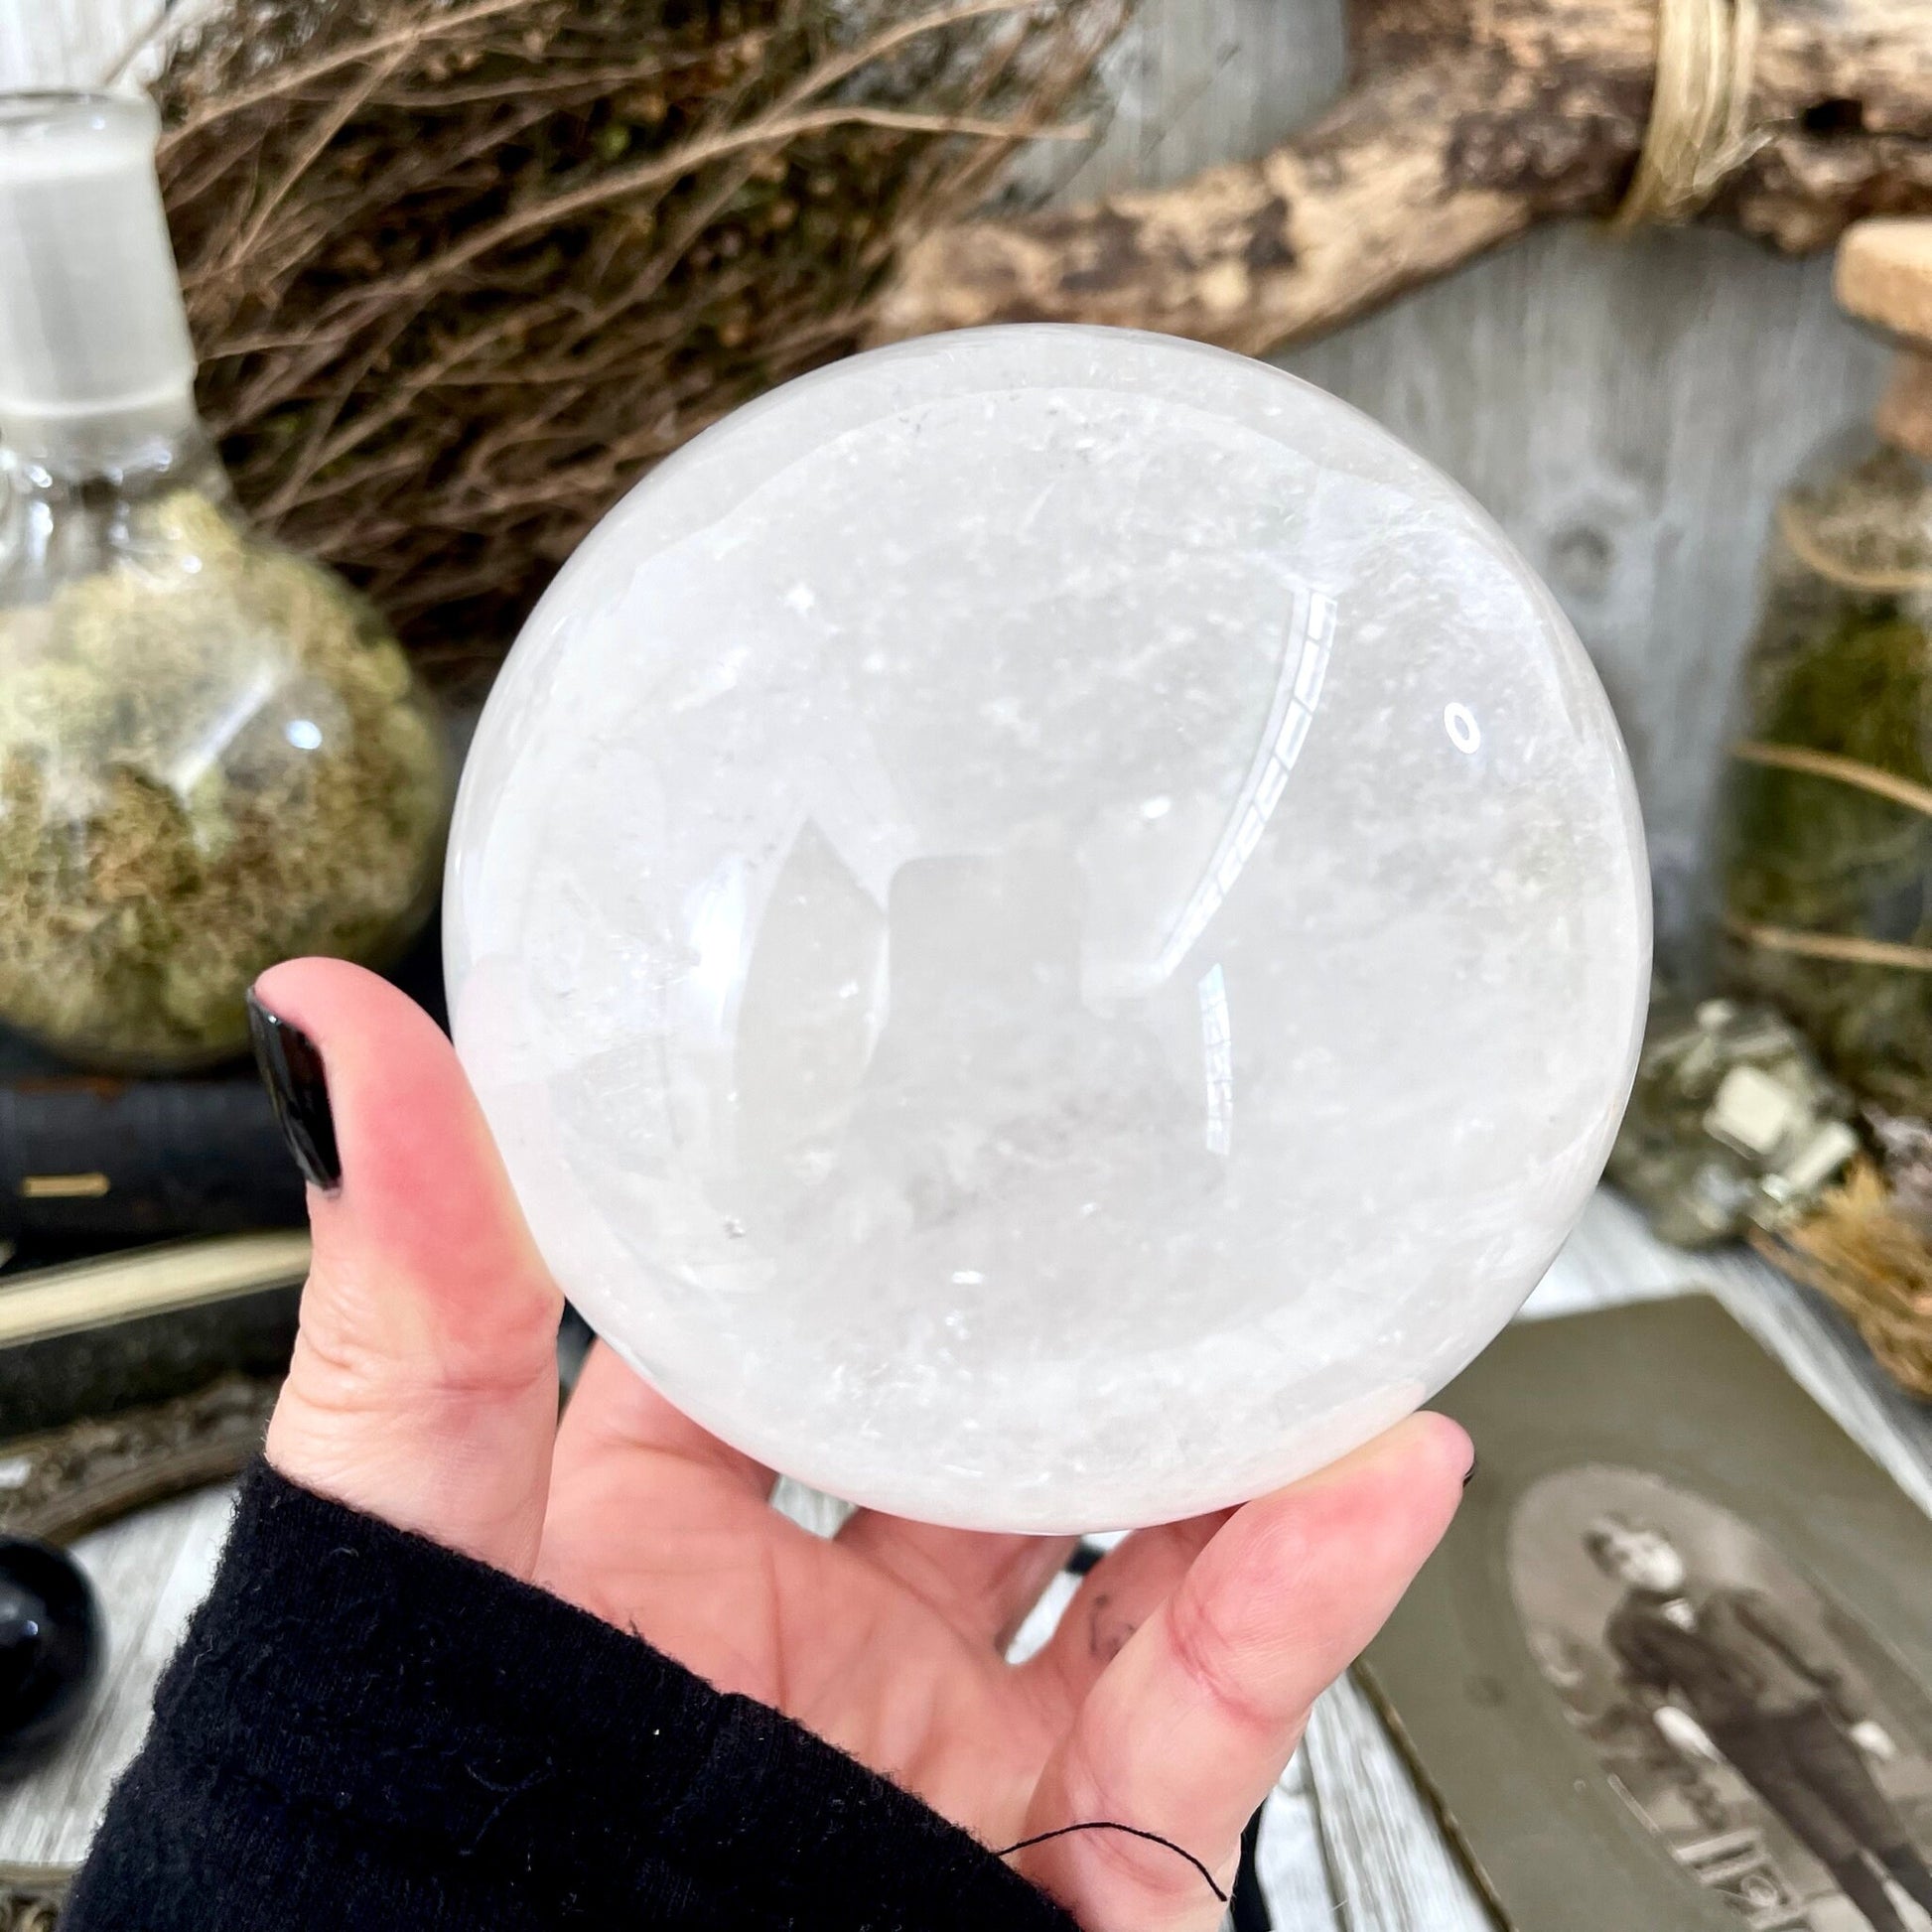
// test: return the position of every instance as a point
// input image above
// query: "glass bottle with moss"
(213, 754)
(1828, 815)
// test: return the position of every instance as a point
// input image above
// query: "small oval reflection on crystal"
(1465, 733)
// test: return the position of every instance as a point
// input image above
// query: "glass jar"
(213, 753)
(1826, 842)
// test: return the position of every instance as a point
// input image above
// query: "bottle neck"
(71, 491)
(134, 450)
(93, 334)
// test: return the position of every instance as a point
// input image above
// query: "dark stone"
(49, 1649)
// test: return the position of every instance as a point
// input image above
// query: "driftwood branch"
(1469, 122)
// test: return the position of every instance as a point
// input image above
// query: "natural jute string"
(1700, 109)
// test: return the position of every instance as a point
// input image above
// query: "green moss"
(1815, 852)
(1845, 670)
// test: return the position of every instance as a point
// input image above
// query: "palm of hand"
(888, 1640)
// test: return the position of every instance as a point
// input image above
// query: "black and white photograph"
(1671, 1666)
(1724, 1696)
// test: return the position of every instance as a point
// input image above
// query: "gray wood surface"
(1290, 1859)
(1387, 1861)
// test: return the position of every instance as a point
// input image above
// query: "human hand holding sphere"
(423, 1391)
(1050, 932)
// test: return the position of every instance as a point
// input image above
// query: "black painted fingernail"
(1472, 1475)
(298, 1089)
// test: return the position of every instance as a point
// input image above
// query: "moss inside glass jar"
(211, 757)
(1828, 809)
(213, 754)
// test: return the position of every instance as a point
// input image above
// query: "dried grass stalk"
(461, 270)
(1875, 1263)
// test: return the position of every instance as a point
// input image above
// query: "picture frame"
(1517, 1711)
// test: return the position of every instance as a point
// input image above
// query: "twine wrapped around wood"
(460, 271)
(1699, 127)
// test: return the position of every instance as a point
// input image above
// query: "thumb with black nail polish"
(423, 1387)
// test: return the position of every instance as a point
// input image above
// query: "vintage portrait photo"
(1730, 1700)
(1671, 1668)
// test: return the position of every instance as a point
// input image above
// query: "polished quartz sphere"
(1052, 925)
(49, 1649)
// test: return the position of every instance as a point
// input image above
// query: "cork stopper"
(1884, 276)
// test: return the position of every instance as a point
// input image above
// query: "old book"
(90, 1161)
(101, 1160)
(1672, 1665)
(96, 1336)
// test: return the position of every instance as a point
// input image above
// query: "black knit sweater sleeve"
(365, 1730)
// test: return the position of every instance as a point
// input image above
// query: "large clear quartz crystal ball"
(1052, 925)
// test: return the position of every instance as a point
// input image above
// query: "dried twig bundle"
(461, 270)
(1875, 1263)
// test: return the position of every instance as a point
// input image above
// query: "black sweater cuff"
(363, 1729)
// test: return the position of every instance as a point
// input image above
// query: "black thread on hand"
(1132, 1830)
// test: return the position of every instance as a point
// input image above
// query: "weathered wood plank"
(1391, 1867)
(1289, 1857)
